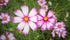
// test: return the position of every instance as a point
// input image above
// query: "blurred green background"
(60, 8)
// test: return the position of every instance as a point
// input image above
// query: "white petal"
(52, 20)
(25, 10)
(39, 23)
(42, 12)
(6, 1)
(12, 38)
(26, 29)
(33, 12)
(50, 13)
(17, 19)
(21, 26)
(39, 17)
(44, 26)
(0, 17)
(34, 18)
(18, 13)
(49, 25)
(33, 26)
(2, 14)
(10, 35)
(3, 37)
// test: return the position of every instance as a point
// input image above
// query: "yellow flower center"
(1, 1)
(41, 1)
(7, 37)
(4, 18)
(44, 7)
(26, 19)
(45, 18)
(59, 26)
(61, 33)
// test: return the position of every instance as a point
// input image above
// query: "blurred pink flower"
(4, 2)
(45, 7)
(62, 33)
(5, 18)
(7, 36)
(60, 26)
(41, 2)
(46, 22)
(26, 20)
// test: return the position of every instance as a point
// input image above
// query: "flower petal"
(25, 9)
(43, 27)
(12, 38)
(2, 14)
(49, 25)
(33, 26)
(39, 17)
(21, 26)
(52, 20)
(0, 17)
(39, 23)
(18, 13)
(10, 35)
(3, 37)
(50, 13)
(33, 12)
(34, 18)
(17, 19)
(26, 29)
(42, 12)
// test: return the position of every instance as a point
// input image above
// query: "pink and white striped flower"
(62, 33)
(41, 2)
(45, 7)
(25, 20)
(46, 22)
(4, 2)
(7, 36)
(60, 26)
(5, 18)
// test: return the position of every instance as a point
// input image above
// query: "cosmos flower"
(46, 22)
(5, 18)
(54, 32)
(45, 7)
(41, 2)
(7, 36)
(62, 33)
(60, 26)
(4, 2)
(25, 20)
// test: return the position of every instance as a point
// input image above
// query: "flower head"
(5, 18)
(62, 33)
(25, 20)
(41, 2)
(59, 26)
(45, 7)
(4, 2)
(7, 36)
(46, 22)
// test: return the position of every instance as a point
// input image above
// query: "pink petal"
(49, 25)
(53, 34)
(52, 20)
(18, 13)
(42, 12)
(10, 35)
(44, 26)
(4, 22)
(2, 14)
(46, 8)
(6, 1)
(34, 18)
(17, 19)
(21, 26)
(39, 23)
(3, 37)
(50, 13)
(26, 29)
(33, 26)
(33, 12)
(12, 38)
(39, 17)
(25, 9)
(0, 17)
